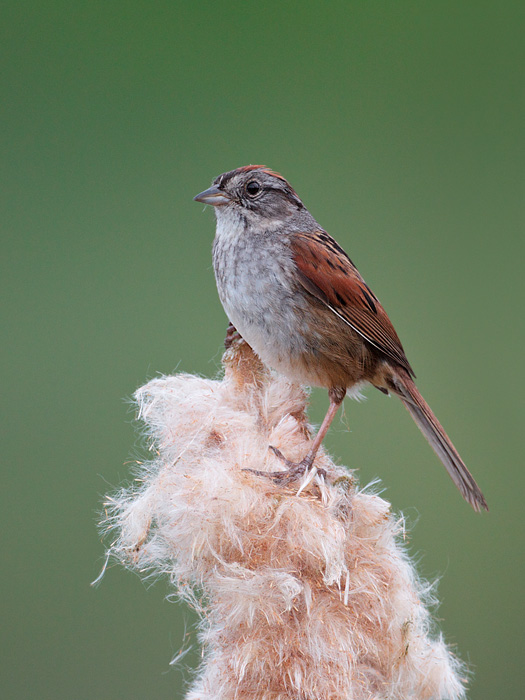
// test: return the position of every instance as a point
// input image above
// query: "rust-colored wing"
(327, 272)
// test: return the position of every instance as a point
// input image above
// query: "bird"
(299, 301)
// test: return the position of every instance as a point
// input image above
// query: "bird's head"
(255, 192)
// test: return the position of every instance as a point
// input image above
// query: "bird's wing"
(327, 272)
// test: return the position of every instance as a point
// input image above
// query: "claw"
(291, 465)
(293, 472)
(232, 335)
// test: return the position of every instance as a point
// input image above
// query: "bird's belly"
(276, 332)
(288, 337)
(289, 330)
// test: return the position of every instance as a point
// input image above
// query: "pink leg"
(295, 470)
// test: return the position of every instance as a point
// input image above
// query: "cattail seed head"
(306, 596)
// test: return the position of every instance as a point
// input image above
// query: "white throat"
(230, 225)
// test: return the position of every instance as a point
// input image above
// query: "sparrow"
(298, 300)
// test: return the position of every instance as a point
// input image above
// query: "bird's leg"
(297, 469)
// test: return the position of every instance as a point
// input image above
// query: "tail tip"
(478, 502)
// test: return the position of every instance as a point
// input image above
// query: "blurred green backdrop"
(400, 125)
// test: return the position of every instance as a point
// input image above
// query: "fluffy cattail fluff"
(303, 596)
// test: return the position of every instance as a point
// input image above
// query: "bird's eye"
(253, 188)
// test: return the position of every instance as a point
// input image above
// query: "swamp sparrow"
(298, 300)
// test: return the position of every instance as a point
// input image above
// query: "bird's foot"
(232, 335)
(293, 472)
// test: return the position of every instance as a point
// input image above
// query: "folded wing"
(327, 272)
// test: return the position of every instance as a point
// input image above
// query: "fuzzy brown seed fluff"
(307, 596)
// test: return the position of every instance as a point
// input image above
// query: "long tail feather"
(431, 428)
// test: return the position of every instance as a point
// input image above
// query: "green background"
(400, 125)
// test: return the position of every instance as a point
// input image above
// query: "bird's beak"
(213, 196)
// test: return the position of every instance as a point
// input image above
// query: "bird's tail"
(404, 387)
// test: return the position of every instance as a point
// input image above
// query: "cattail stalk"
(302, 596)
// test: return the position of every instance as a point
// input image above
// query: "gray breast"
(255, 280)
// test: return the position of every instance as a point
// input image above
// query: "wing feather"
(327, 272)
